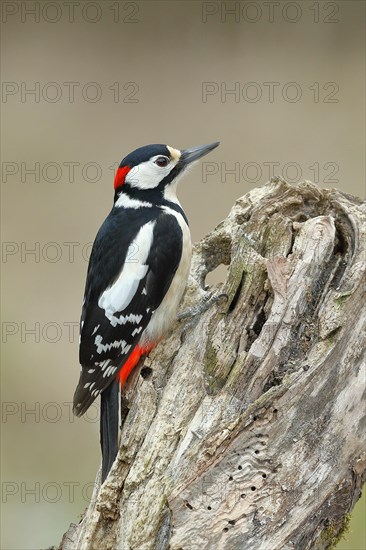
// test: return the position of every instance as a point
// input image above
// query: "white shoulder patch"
(124, 201)
(119, 295)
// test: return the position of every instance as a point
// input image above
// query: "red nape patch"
(131, 362)
(120, 176)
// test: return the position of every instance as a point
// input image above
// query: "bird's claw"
(192, 314)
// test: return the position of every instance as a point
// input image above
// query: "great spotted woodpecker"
(137, 275)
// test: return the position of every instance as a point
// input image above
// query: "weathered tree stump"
(249, 431)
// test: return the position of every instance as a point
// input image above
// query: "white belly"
(165, 315)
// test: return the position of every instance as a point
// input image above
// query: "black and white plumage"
(136, 277)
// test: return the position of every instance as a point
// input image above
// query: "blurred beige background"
(108, 77)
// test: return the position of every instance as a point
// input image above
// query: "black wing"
(107, 339)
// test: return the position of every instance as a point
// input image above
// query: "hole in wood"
(146, 372)
(216, 276)
(234, 301)
(259, 322)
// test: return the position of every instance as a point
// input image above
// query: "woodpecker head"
(155, 169)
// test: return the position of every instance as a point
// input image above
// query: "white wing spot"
(104, 364)
(107, 347)
(110, 370)
(137, 331)
(131, 318)
(95, 330)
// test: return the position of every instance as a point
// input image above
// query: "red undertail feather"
(131, 362)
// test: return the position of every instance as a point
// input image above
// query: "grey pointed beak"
(195, 153)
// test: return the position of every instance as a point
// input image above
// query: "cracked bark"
(248, 430)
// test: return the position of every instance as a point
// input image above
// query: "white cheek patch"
(148, 175)
(118, 296)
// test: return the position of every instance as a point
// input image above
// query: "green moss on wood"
(333, 534)
(341, 299)
(215, 383)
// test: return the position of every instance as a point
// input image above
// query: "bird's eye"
(162, 161)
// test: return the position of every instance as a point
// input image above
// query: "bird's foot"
(192, 314)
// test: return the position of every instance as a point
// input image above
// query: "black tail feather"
(109, 414)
